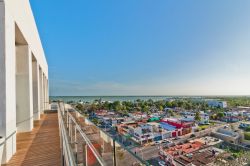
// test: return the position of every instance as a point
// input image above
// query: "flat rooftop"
(208, 140)
(178, 150)
(197, 158)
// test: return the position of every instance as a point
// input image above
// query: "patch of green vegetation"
(212, 123)
(95, 121)
(248, 129)
(235, 153)
(247, 135)
(203, 127)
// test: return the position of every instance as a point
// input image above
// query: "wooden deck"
(41, 147)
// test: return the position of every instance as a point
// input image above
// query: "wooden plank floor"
(41, 147)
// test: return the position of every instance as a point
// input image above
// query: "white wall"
(41, 90)
(7, 85)
(36, 90)
(17, 13)
(24, 89)
(23, 16)
(2, 71)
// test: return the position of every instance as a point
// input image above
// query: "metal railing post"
(67, 116)
(86, 156)
(76, 144)
(114, 152)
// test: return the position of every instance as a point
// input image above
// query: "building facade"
(215, 103)
(23, 74)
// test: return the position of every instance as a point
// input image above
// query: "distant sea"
(115, 98)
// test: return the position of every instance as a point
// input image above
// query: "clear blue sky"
(146, 47)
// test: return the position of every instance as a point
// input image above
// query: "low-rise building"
(198, 152)
(227, 135)
(138, 115)
(141, 133)
(244, 125)
(231, 119)
(209, 141)
(190, 117)
(169, 130)
(202, 157)
(169, 155)
(216, 103)
(185, 127)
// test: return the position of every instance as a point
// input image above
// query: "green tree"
(170, 112)
(93, 107)
(248, 129)
(160, 107)
(220, 115)
(197, 116)
(106, 105)
(117, 105)
(169, 104)
(79, 107)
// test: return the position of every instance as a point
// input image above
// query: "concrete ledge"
(2, 142)
(50, 111)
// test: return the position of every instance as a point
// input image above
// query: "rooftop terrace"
(41, 146)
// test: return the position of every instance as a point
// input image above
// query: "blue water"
(113, 98)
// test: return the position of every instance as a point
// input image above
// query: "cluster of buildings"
(143, 128)
(190, 116)
(200, 147)
(237, 114)
(201, 151)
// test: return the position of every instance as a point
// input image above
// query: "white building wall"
(41, 90)
(22, 14)
(44, 93)
(16, 13)
(2, 71)
(24, 89)
(7, 85)
(36, 90)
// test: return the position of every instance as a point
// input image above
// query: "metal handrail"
(120, 144)
(67, 154)
(88, 142)
(67, 150)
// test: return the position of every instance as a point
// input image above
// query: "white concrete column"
(36, 90)
(2, 72)
(44, 94)
(24, 90)
(47, 93)
(7, 85)
(46, 105)
(41, 91)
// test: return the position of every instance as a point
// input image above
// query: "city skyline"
(145, 47)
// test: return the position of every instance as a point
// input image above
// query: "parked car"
(157, 143)
(165, 141)
(162, 163)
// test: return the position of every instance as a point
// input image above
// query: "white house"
(216, 103)
(142, 133)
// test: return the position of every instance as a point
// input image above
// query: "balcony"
(41, 146)
(67, 138)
